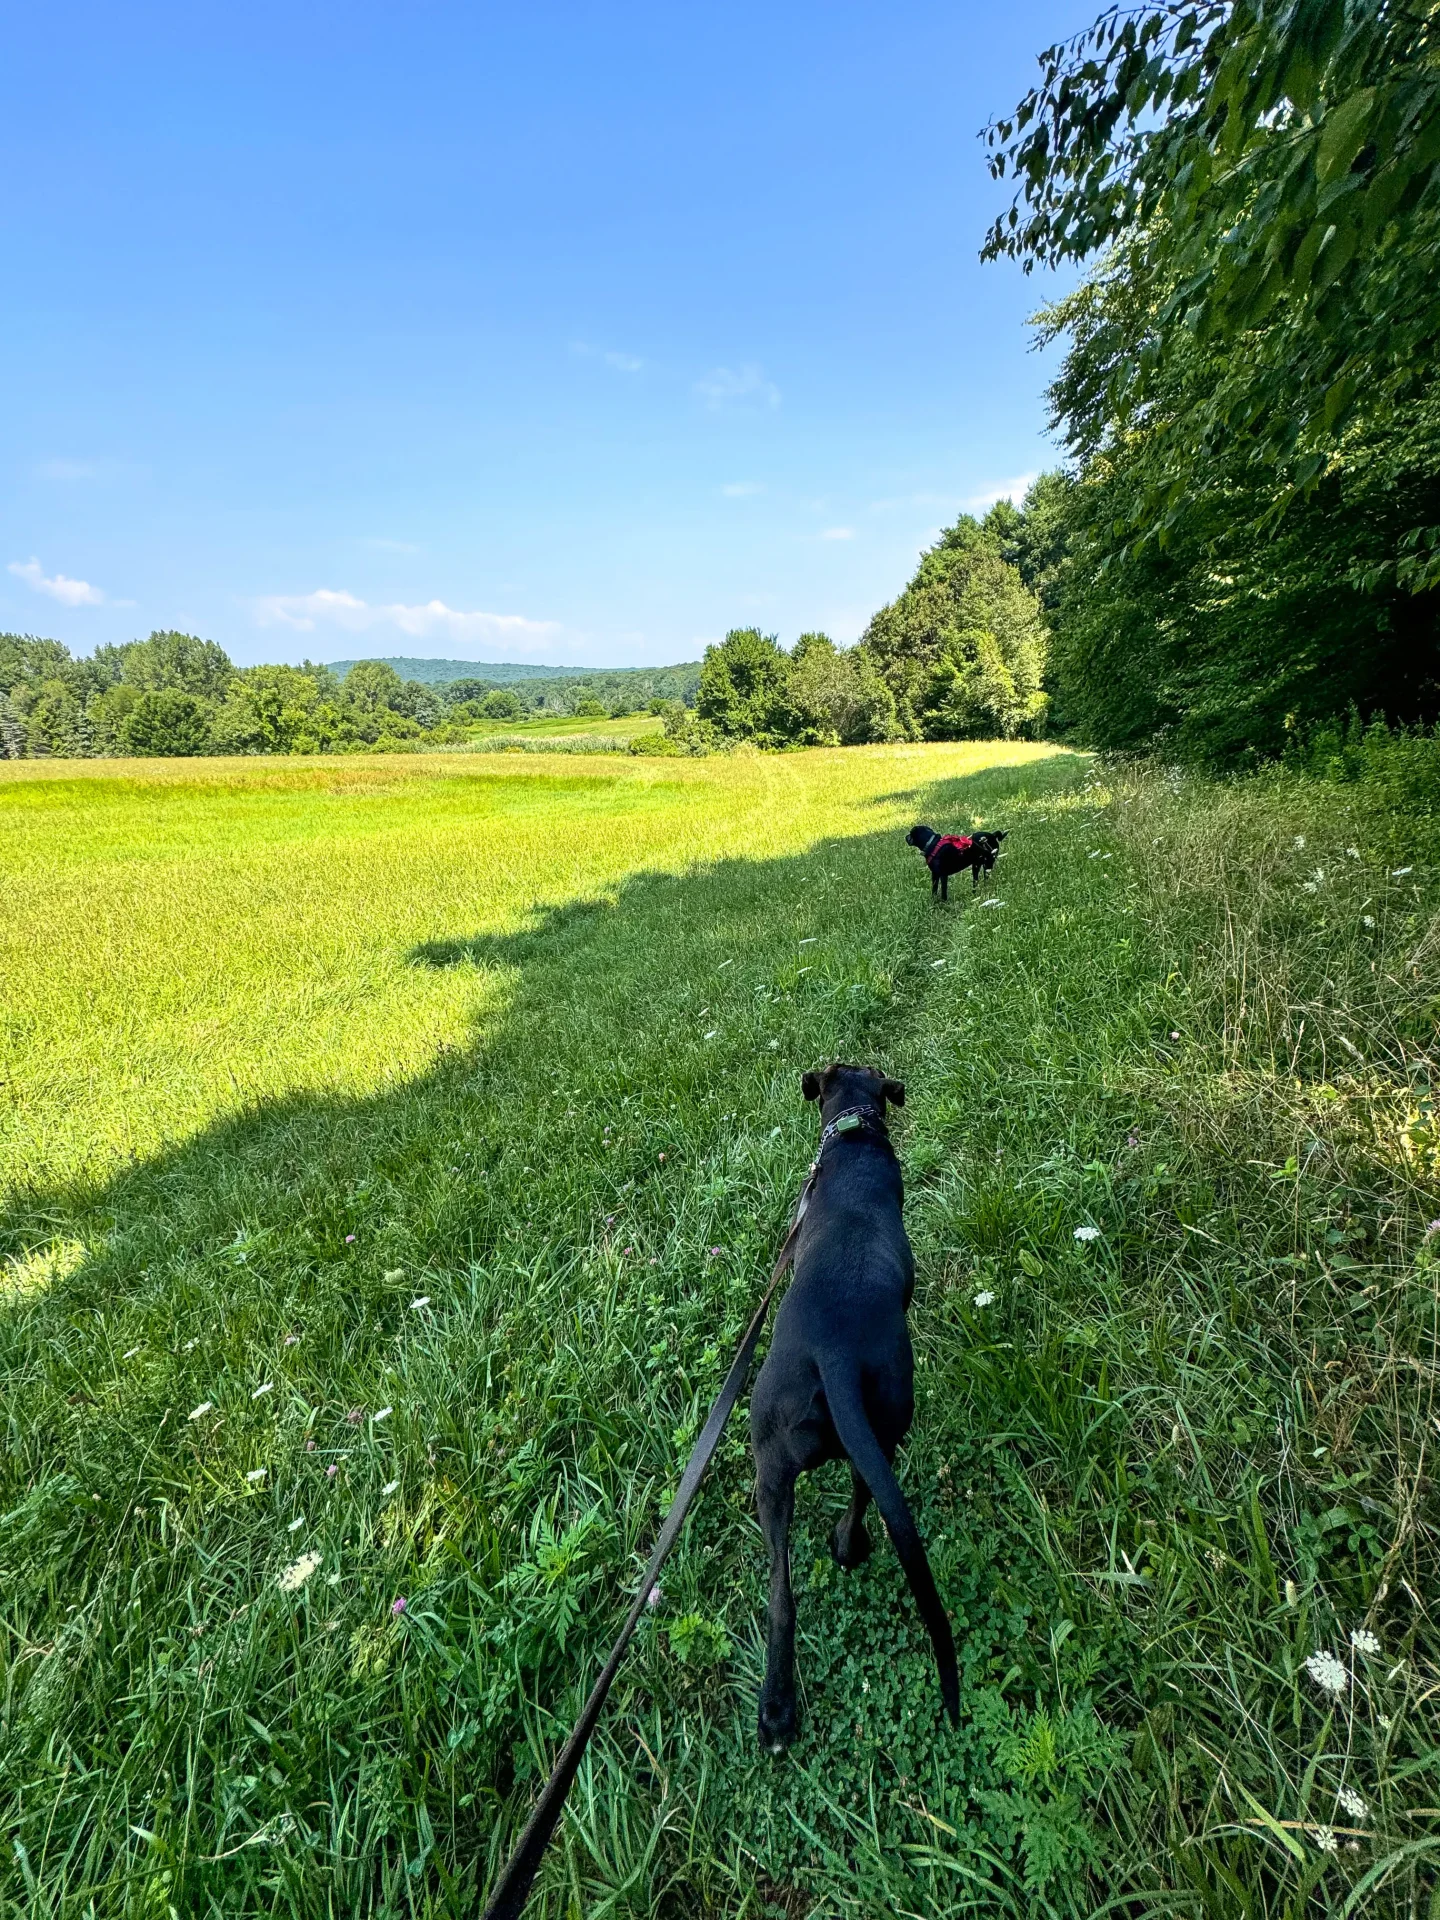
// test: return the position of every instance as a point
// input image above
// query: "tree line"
(175, 694)
(959, 654)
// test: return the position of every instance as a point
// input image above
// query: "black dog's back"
(838, 1380)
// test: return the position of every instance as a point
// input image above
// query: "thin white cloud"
(68, 470)
(621, 362)
(70, 593)
(838, 533)
(1014, 490)
(741, 489)
(737, 387)
(304, 612)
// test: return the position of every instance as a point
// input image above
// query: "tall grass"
(430, 1128)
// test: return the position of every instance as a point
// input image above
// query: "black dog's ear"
(894, 1092)
(810, 1085)
(1003, 836)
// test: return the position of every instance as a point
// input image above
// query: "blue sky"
(574, 333)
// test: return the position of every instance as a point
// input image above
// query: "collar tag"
(848, 1122)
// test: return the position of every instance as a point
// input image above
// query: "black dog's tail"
(857, 1436)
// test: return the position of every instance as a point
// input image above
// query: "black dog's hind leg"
(776, 1496)
(945, 886)
(934, 885)
(850, 1544)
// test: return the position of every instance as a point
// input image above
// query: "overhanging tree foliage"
(1283, 161)
(1253, 538)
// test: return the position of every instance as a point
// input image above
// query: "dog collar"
(851, 1120)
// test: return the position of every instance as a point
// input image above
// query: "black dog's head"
(920, 836)
(840, 1086)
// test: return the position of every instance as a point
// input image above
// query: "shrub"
(502, 704)
(167, 722)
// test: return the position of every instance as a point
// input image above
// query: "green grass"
(569, 727)
(293, 1046)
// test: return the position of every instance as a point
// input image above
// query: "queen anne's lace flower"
(984, 1299)
(1364, 1641)
(1353, 1803)
(1087, 1233)
(1325, 1840)
(1327, 1672)
(298, 1572)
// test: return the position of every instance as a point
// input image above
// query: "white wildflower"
(1292, 1594)
(1367, 920)
(1364, 1641)
(383, 1414)
(205, 1406)
(388, 1488)
(774, 1046)
(260, 1392)
(190, 1346)
(1352, 853)
(298, 1572)
(1299, 843)
(296, 1524)
(654, 1597)
(1325, 1840)
(1327, 1672)
(256, 1475)
(984, 1299)
(1087, 1233)
(418, 1306)
(1354, 1803)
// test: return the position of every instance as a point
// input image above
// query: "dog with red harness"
(947, 853)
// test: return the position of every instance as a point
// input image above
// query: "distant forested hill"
(673, 683)
(435, 673)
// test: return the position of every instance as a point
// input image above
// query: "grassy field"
(391, 1151)
(567, 727)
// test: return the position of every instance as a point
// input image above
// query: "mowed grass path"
(393, 1150)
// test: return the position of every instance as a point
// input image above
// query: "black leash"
(513, 1888)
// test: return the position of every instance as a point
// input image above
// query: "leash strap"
(513, 1887)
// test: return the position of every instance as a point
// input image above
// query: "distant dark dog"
(839, 1378)
(947, 853)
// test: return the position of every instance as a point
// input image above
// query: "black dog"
(839, 1376)
(947, 853)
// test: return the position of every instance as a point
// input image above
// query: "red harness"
(961, 842)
